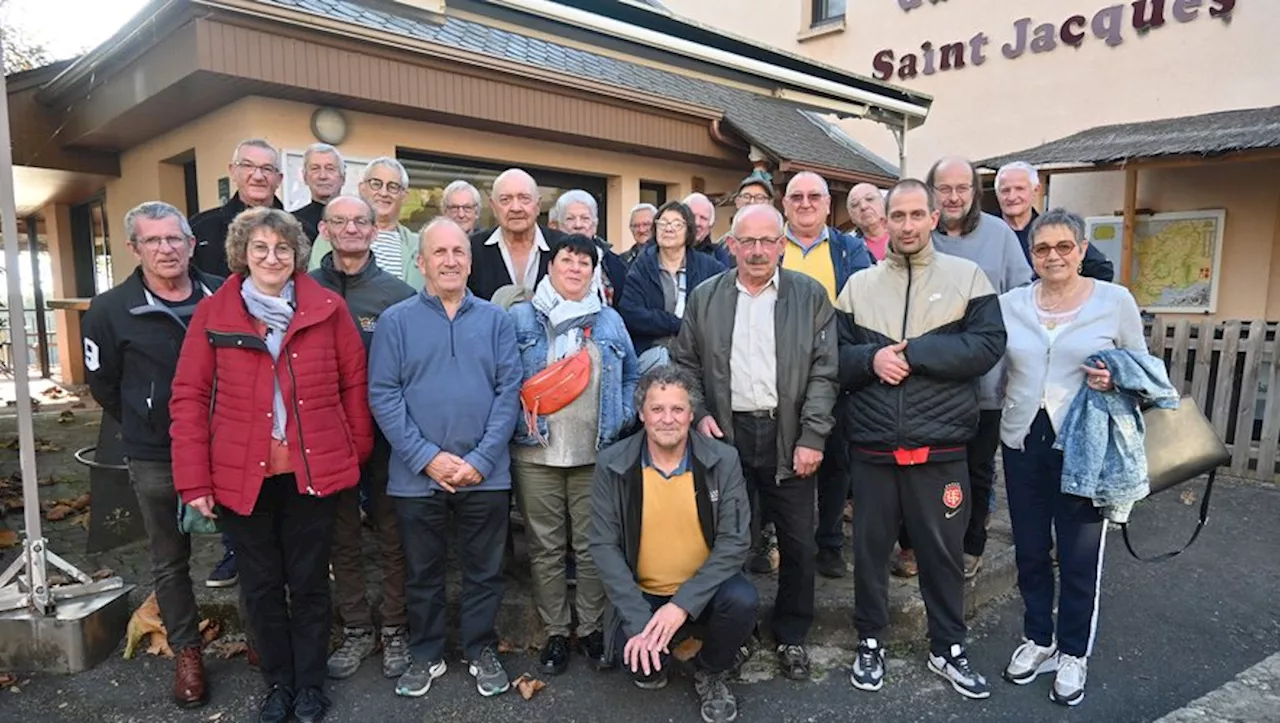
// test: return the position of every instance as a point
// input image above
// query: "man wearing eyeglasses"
(829, 256)
(132, 335)
(351, 271)
(395, 248)
(965, 231)
(461, 203)
(641, 226)
(761, 341)
(255, 174)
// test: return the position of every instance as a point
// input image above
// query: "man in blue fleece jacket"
(444, 386)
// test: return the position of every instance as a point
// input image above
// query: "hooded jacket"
(947, 311)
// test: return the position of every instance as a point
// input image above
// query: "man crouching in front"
(669, 533)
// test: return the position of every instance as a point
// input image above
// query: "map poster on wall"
(1176, 258)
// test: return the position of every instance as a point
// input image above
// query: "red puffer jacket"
(329, 429)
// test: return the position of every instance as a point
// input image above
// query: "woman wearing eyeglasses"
(1053, 326)
(270, 421)
(661, 277)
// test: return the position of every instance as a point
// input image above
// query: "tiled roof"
(779, 126)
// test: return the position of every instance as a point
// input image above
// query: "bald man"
(519, 249)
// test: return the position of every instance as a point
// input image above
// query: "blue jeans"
(1038, 509)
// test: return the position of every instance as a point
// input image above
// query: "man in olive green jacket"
(762, 343)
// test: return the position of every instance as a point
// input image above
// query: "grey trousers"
(170, 550)
(544, 495)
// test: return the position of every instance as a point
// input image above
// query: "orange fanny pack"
(556, 386)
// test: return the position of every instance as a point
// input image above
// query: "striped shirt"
(388, 253)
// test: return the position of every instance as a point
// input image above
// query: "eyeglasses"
(249, 168)
(764, 242)
(260, 252)
(377, 184)
(812, 198)
(461, 208)
(671, 225)
(341, 222)
(753, 197)
(151, 243)
(1063, 248)
(961, 190)
(642, 226)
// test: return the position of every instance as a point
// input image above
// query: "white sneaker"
(1029, 661)
(1068, 686)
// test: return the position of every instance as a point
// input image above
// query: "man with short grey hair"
(578, 212)
(132, 335)
(255, 176)
(640, 223)
(704, 217)
(395, 248)
(461, 201)
(324, 172)
(1017, 188)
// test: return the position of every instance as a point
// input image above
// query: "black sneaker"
(655, 680)
(555, 655)
(954, 666)
(310, 705)
(794, 661)
(593, 647)
(224, 573)
(830, 563)
(867, 672)
(277, 706)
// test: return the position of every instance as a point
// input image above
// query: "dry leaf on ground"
(59, 512)
(81, 502)
(528, 686)
(44, 445)
(1188, 497)
(82, 520)
(209, 630)
(8, 538)
(67, 417)
(685, 651)
(146, 623)
(7, 679)
(227, 649)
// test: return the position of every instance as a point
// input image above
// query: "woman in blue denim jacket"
(553, 463)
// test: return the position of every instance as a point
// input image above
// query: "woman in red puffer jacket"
(270, 421)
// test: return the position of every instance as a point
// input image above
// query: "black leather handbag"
(1181, 444)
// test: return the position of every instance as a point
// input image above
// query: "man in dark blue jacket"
(1017, 186)
(830, 257)
(661, 277)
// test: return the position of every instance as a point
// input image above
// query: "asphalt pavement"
(1168, 634)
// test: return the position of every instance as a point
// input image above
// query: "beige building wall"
(1004, 105)
(146, 176)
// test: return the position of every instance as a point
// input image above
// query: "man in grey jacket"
(761, 344)
(669, 537)
(965, 231)
(347, 224)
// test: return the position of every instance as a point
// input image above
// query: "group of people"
(667, 419)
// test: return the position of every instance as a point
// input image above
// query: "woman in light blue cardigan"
(1053, 326)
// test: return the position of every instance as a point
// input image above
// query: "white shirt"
(529, 278)
(753, 357)
(388, 253)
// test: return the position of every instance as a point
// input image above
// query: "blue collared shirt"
(680, 469)
(824, 236)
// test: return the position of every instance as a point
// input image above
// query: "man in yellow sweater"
(670, 532)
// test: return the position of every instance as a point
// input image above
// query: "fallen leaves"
(145, 624)
(7, 679)
(685, 651)
(8, 538)
(528, 686)
(209, 630)
(66, 417)
(1188, 497)
(227, 649)
(59, 512)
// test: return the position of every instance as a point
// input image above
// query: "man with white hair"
(324, 172)
(704, 216)
(518, 250)
(761, 342)
(829, 256)
(866, 210)
(577, 212)
(1017, 187)
(384, 187)
(640, 224)
(255, 175)
(461, 202)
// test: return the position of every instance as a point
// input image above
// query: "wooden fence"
(1232, 371)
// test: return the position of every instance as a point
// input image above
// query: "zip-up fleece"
(617, 504)
(445, 385)
(131, 345)
(223, 399)
(946, 309)
(368, 292)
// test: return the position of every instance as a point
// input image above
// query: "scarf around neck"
(277, 313)
(566, 318)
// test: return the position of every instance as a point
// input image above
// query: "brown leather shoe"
(188, 679)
